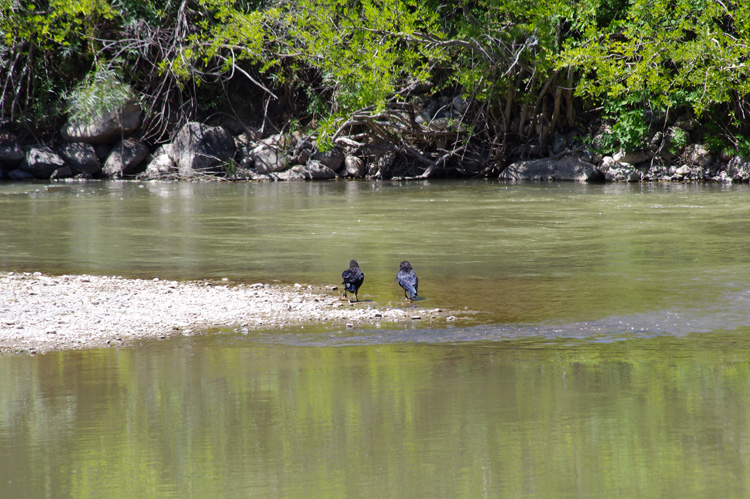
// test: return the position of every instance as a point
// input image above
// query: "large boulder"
(355, 167)
(11, 153)
(267, 159)
(738, 169)
(319, 171)
(201, 148)
(41, 162)
(566, 168)
(126, 158)
(104, 128)
(698, 154)
(619, 171)
(333, 159)
(81, 157)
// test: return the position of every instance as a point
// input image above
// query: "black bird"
(353, 278)
(407, 279)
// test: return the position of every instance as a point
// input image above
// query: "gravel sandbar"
(39, 313)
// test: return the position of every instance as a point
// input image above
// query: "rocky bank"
(109, 146)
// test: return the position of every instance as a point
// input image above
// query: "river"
(605, 349)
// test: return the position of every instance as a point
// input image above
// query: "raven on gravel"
(353, 278)
(407, 279)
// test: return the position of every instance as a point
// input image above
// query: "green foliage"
(682, 52)
(101, 92)
(364, 51)
(511, 57)
(628, 128)
(678, 140)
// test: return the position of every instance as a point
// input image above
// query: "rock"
(570, 168)
(81, 157)
(354, 167)
(656, 173)
(19, 174)
(160, 165)
(41, 162)
(11, 154)
(697, 154)
(738, 169)
(682, 171)
(243, 144)
(125, 158)
(201, 148)
(298, 172)
(267, 159)
(316, 170)
(302, 151)
(559, 144)
(105, 128)
(333, 159)
(277, 140)
(632, 157)
(459, 105)
(102, 151)
(64, 172)
(616, 171)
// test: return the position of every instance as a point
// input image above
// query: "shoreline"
(41, 313)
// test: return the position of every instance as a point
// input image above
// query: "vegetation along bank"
(597, 90)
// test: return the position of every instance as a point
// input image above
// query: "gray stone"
(126, 158)
(201, 148)
(333, 159)
(298, 172)
(11, 153)
(632, 157)
(620, 172)
(243, 144)
(571, 168)
(355, 167)
(81, 157)
(267, 159)
(738, 169)
(105, 128)
(160, 165)
(682, 171)
(697, 154)
(41, 162)
(318, 171)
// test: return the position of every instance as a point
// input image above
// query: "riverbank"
(41, 313)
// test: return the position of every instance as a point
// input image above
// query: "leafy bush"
(101, 92)
(678, 140)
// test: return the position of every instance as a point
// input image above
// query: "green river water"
(607, 353)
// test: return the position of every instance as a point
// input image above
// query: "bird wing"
(408, 281)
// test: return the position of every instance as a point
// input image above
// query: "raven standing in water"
(353, 278)
(407, 279)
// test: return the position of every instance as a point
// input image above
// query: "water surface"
(608, 356)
